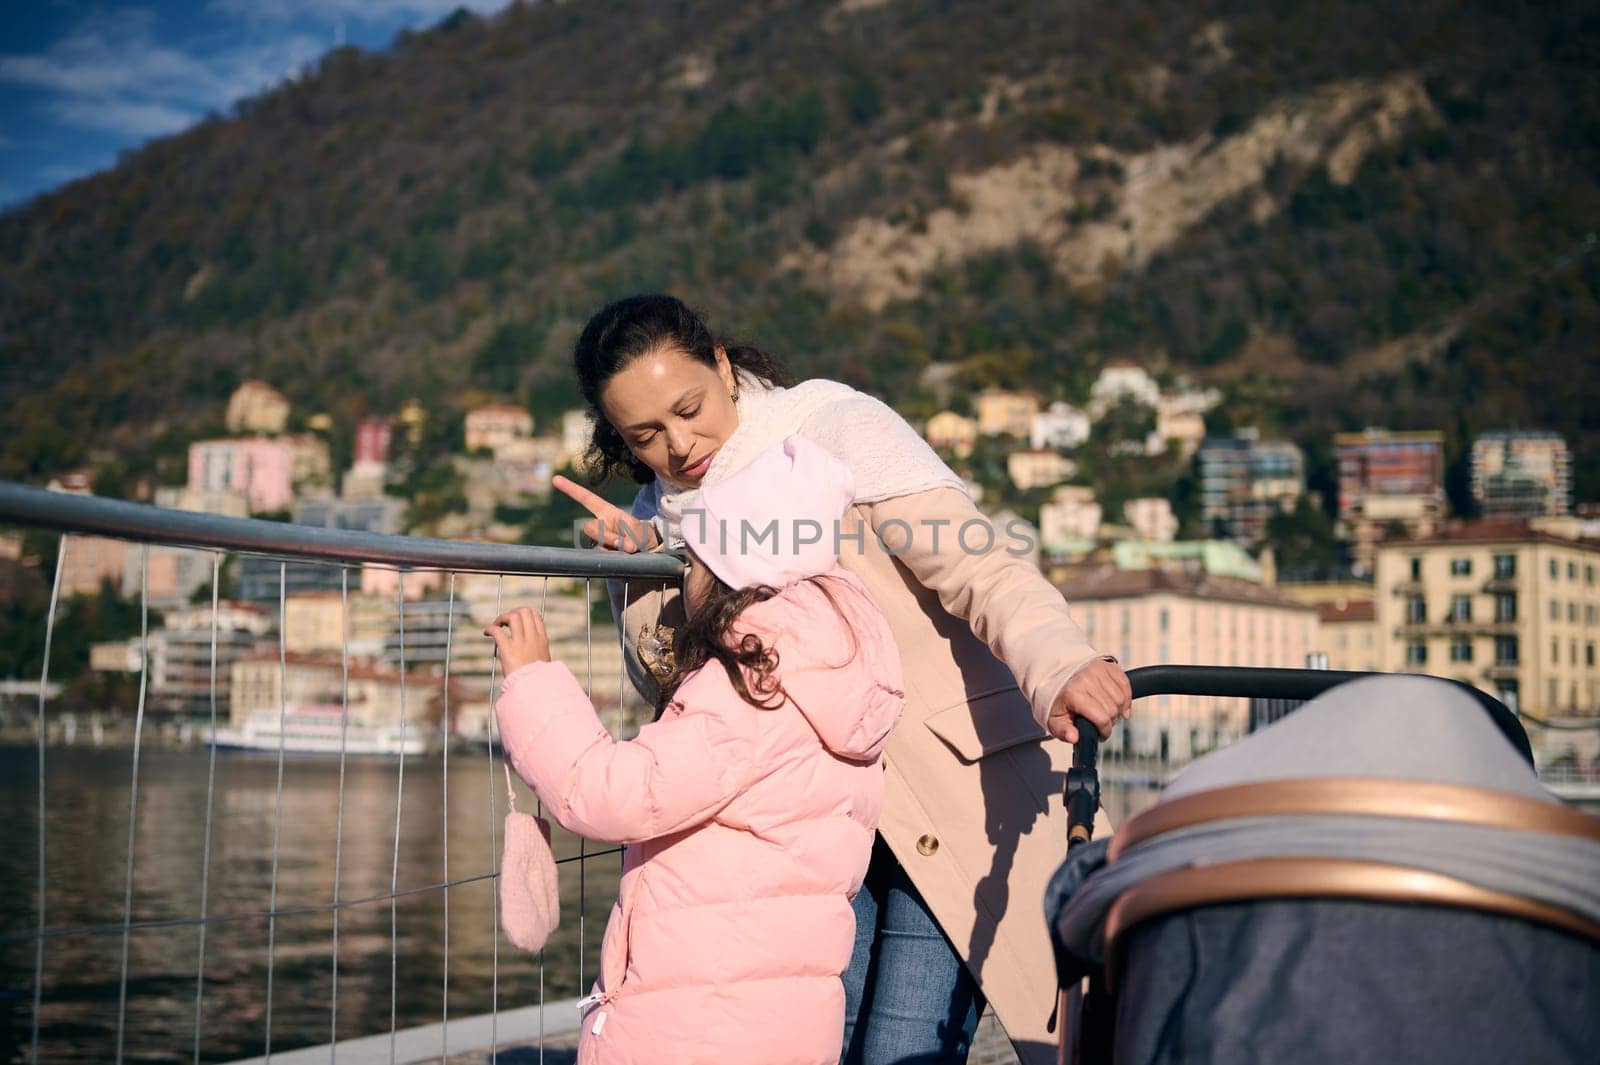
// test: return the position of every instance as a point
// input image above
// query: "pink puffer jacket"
(750, 831)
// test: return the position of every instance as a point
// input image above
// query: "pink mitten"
(529, 904)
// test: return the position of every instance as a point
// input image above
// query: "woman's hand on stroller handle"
(1098, 693)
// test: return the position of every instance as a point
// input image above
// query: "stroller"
(1377, 876)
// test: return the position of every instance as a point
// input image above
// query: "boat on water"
(320, 729)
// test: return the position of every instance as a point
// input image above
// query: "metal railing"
(237, 995)
(261, 885)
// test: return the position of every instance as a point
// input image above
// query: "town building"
(385, 514)
(257, 407)
(226, 503)
(374, 436)
(1152, 518)
(1245, 480)
(1350, 634)
(1388, 482)
(375, 695)
(1122, 381)
(336, 622)
(577, 428)
(1071, 514)
(1497, 604)
(310, 463)
(952, 432)
(84, 562)
(1004, 412)
(1521, 474)
(1183, 614)
(1038, 468)
(412, 417)
(1059, 425)
(178, 656)
(1185, 428)
(496, 424)
(261, 469)
(262, 580)
(170, 576)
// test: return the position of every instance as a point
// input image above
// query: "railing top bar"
(66, 512)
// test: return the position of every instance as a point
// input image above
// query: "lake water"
(86, 827)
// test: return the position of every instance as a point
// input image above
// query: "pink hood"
(821, 659)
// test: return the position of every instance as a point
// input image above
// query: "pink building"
(372, 440)
(1154, 616)
(261, 468)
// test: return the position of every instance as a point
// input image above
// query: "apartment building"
(1513, 610)
(1158, 615)
(1245, 480)
(1521, 474)
(1388, 480)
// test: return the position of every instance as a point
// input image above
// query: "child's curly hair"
(704, 636)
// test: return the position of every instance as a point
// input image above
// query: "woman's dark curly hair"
(704, 637)
(637, 325)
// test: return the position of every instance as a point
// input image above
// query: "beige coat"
(974, 807)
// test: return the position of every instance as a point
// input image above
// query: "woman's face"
(674, 412)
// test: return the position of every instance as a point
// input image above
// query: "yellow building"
(1038, 468)
(1349, 634)
(1509, 609)
(257, 407)
(1000, 411)
(373, 693)
(949, 431)
(495, 425)
(314, 622)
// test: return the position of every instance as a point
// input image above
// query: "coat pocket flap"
(986, 724)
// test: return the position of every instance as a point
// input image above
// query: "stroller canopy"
(1343, 883)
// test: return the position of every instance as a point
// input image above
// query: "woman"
(973, 821)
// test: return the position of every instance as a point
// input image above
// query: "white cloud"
(371, 10)
(124, 116)
(110, 73)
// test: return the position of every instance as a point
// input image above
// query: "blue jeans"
(908, 999)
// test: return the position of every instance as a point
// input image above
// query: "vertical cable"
(338, 826)
(444, 732)
(277, 802)
(538, 809)
(44, 683)
(211, 790)
(583, 863)
(133, 799)
(399, 799)
(494, 854)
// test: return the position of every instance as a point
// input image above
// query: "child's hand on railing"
(519, 637)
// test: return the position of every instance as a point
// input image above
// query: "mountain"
(1342, 213)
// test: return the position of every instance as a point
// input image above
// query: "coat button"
(926, 845)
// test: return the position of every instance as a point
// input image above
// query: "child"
(751, 801)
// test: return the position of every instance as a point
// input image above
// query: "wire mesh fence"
(303, 849)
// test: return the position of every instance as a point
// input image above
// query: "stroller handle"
(1083, 782)
(1265, 683)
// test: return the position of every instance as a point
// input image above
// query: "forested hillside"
(1342, 213)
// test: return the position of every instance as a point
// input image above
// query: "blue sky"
(81, 82)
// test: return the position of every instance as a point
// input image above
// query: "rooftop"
(1107, 581)
(1348, 610)
(1492, 531)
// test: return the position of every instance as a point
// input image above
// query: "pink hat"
(775, 521)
